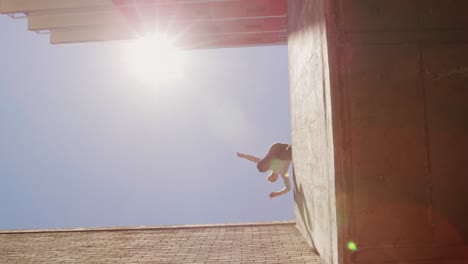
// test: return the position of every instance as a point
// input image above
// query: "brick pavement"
(230, 244)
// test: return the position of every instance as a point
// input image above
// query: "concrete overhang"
(196, 24)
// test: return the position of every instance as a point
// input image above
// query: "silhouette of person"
(277, 160)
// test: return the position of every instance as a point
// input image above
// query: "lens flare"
(352, 246)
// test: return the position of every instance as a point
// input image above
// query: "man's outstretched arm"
(286, 189)
(248, 157)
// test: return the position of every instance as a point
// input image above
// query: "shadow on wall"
(301, 203)
(306, 42)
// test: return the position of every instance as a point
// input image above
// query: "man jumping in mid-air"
(277, 160)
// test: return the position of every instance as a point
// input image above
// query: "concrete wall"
(398, 83)
(311, 121)
(402, 67)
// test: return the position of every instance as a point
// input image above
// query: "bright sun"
(154, 59)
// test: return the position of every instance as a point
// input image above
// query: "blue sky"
(85, 144)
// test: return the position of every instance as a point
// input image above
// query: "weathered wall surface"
(311, 121)
(274, 243)
(402, 70)
(398, 83)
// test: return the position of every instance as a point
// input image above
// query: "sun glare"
(154, 59)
